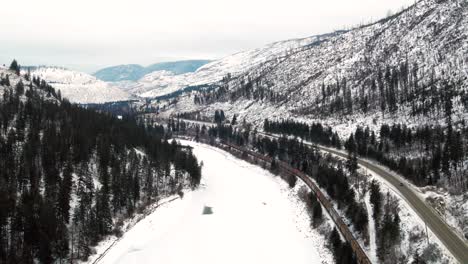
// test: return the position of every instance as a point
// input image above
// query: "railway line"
(249, 155)
(454, 243)
(285, 168)
(457, 246)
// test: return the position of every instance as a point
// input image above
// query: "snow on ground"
(372, 252)
(414, 229)
(79, 87)
(107, 244)
(159, 83)
(255, 219)
(452, 208)
(140, 152)
(412, 226)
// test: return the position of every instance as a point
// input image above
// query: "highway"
(457, 246)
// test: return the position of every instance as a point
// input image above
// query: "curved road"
(456, 245)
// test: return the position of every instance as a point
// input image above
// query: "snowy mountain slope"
(157, 83)
(133, 72)
(404, 69)
(421, 48)
(177, 67)
(163, 82)
(263, 225)
(80, 87)
(15, 79)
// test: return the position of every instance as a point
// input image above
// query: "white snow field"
(80, 87)
(254, 219)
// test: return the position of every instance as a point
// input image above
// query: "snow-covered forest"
(70, 176)
(344, 147)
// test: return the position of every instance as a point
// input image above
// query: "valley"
(343, 147)
(255, 223)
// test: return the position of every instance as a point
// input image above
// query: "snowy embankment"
(256, 218)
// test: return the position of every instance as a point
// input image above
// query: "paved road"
(456, 245)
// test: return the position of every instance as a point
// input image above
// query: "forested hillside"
(404, 68)
(396, 89)
(379, 220)
(69, 176)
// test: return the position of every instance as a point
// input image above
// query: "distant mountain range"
(133, 72)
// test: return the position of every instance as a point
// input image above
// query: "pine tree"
(20, 88)
(291, 179)
(61, 247)
(274, 166)
(65, 193)
(335, 242)
(317, 213)
(352, 163)
(6, 81)
(14, 66)
(375, 199)
(234, 120)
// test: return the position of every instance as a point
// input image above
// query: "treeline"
(329, 173)
(316, 132)
(69, 176)
(434, 151)
(387, 221)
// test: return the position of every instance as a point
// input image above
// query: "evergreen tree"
(375, 198)
(14, 66)
(20, 88)
(234, 120)
(65, 193)
(352, 163)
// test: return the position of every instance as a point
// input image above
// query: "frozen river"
(252, 220)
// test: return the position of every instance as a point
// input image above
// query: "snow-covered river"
(255, 219)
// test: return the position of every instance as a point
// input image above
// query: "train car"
(286, 168)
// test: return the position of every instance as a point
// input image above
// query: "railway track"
(361, 256)
(457, 245)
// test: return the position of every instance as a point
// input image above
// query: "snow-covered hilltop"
(404, 61)
(160, 83)
(134, 72)
(80, 87)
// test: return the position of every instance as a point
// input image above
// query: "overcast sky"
(89, 34)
